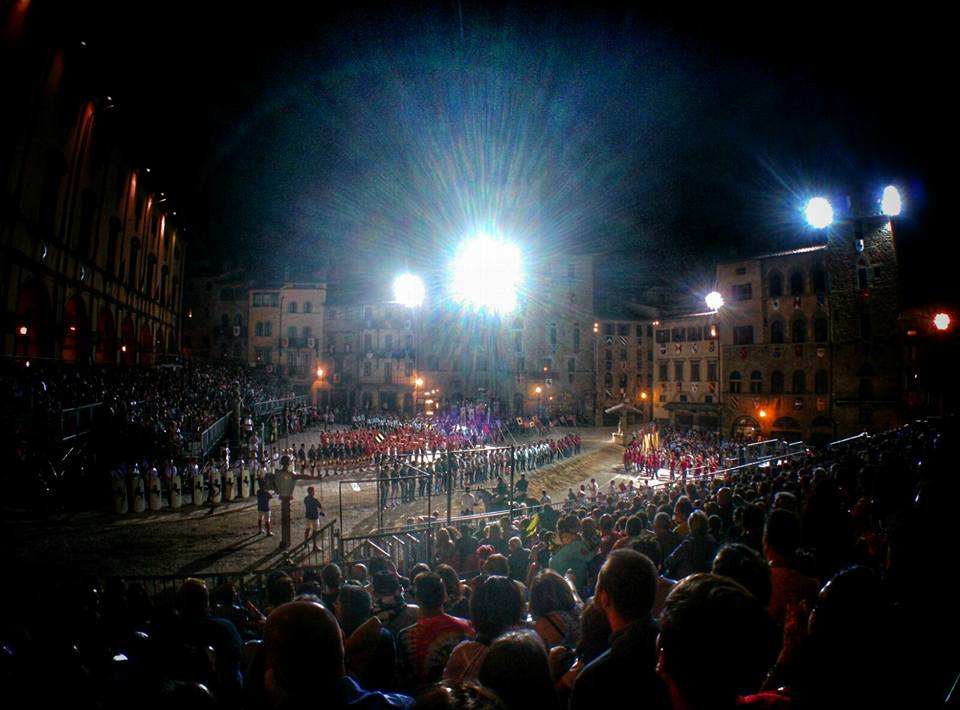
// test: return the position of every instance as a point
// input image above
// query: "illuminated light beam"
(409, 290)
(486, 274)
(819, 213)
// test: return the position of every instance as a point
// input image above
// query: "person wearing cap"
(389, 605)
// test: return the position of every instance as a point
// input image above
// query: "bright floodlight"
(408, 290)
(890, 203)
(486, 274)
(714, 301)
(819, 213)
(941, 321)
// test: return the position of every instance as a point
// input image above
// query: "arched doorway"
(76, 331)
(745, 427)
(34, 325)
(106, 338)
(146, 345)
(128, 350)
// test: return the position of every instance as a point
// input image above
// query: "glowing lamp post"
(715, 302)
(941, 322)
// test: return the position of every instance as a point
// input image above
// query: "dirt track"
(193, 541)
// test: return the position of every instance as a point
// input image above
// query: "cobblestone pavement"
(198, 540)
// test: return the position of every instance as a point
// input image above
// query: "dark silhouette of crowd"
(808, 582)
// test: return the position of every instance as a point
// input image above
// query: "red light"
(911, 333)
(941, 321)
(23, 330)
(73, 329)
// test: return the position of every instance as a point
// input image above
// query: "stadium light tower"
(486, 274)
(409, 290)
(818, 213)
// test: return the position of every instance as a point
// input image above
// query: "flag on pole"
(533, 524)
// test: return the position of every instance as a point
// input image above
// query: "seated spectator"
(458, 696)
(555, 611)
(695, 553)
(781, 538)
(370, 649)
(666, 538)
(332, 579)
(646, 544)
(305, 660)
(573, 554)
(516, 668)
(496, 607)
(594, 641)
(519, 558)
(389, 605)
(457, 602)
(625, 592)
(423, 649)
(707, 606)
(743, 565)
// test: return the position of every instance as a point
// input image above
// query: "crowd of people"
(679, 452)
(806, 583)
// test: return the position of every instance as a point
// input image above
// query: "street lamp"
(890, 202)
(417, 384)
(941, 321)
(715, 302)
(539, 391)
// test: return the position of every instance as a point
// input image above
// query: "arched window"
(623, 381)
(776, 331)
(800, 329)
(735, 382)
(796, 283)
(756, 382)
(820, 330)
(819, 279)
(820, 382)
(776, 382)
(292, 307)
(776, 285)
(799, 381)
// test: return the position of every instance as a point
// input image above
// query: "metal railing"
(209, 437)
(272, 406)
(319, 551)
(76, 421)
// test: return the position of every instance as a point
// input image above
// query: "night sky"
(377, 138)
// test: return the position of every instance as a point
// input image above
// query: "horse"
(494, 504)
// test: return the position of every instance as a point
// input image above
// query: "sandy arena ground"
(196, 540)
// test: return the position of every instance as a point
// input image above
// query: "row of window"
(690, 334)
(777, 382)
(679, 369)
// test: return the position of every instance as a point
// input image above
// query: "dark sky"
(377, 138)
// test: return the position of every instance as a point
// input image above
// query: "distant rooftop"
(791, 252)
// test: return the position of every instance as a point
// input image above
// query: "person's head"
(429, 591)
(626, 586)
(450, 695)
(781, 536)
(646, 544)
(606, 524)
(785, 499)
(703, 609)
(451, 581)
(698, 524)
(303, 647)
(359, 573)
(682, 509)
(550, 592)
(634, 526)
(595, 633)
(331, 577)
(568, 527)
(193, 599)
(661, 522)
(418, 568)
(516, 668)
(752, 517)
(495, 607)
(497, 564)
(443, 536)
(310, 489)
(745, 566)
(514, 545)
(353, 607)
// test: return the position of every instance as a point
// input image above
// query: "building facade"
(92, 254)
(624, 365)
(808, 337)
(685, 372)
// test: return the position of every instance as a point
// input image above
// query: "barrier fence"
(209, 437)
(272, 406)
(76, 421)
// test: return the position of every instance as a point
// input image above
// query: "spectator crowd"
(805, 583)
